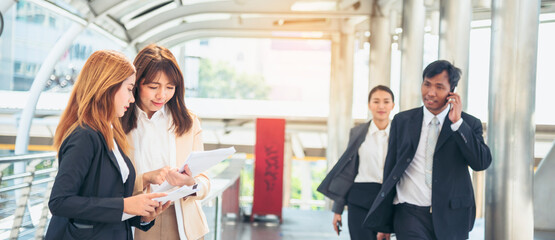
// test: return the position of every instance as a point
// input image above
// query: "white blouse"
(123, 168)
(158, 149)
(372, 154)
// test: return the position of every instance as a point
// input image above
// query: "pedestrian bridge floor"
(312, 225)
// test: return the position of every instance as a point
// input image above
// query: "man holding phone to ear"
(427, 192)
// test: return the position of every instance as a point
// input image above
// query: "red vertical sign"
(268, 168)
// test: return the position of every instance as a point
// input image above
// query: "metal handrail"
(22, 184)
(26, 174)
(231, 173)
(228, 176)
(26, 157)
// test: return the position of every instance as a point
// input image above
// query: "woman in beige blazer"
(163, 132)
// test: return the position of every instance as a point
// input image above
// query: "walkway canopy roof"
(170, 22)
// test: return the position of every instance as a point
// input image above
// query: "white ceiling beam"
(199, 34)
(272, 8)
(103, 7)
(245, 25)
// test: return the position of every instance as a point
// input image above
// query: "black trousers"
(359, 201)
(413, 222)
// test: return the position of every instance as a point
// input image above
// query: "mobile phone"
(338, 225)
(447, 98)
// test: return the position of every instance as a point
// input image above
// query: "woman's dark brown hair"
(150, 63)
(381, 88)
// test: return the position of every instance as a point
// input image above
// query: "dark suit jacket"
(89, 190)
(453, 206)
(338, 182)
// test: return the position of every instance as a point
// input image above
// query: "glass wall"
(30, 33)
(257, 77)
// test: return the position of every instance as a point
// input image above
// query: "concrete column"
(511, 128)
(22, 139)
(287, 163)
(412, 50)
(454, 39)
(181, 54)
(380, 47)
(306, 185)
(340, 118)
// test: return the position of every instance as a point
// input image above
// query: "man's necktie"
(433, 132)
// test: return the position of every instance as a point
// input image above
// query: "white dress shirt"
(411, 187)
(158, 149)
(371, 154)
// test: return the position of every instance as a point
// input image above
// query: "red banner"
(268, 167)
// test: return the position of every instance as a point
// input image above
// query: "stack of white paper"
(178, 193)
(172, 196)
(199, 162)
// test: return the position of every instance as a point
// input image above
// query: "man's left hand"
(456, 107)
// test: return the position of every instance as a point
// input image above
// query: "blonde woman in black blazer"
(92, 193)
(355, 182)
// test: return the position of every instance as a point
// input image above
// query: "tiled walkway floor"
(313, 225)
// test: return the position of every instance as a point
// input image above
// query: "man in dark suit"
(427, 192)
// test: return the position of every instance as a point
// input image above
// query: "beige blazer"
(190, 210)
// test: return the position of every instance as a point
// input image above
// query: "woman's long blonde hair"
(92, 97)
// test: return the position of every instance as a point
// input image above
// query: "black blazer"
(89, 190)
(338, 182)
(453, 206)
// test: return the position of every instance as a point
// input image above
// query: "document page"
(172, 196)
(199, 162)
(178, 193)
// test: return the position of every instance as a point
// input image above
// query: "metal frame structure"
(170, 22)
(1, 23)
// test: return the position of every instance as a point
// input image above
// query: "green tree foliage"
(219, 80)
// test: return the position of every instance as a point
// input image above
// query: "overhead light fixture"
(298, 34)
(314, 6)
(193, 2)
(282, 22)
(207, 17)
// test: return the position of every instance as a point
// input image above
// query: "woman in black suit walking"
(92, 194)
(356, 178)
